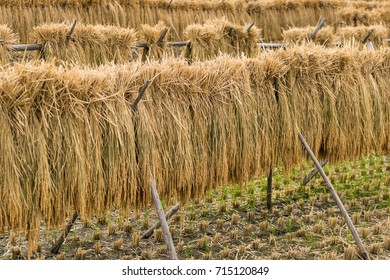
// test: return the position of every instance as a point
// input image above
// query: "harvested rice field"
(234, 223)
(105, 105)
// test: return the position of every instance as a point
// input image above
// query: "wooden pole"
(25, 47)
(163, 222)
(352, 228)
(57, 246)
(140, 94)
(69, 35)
(269, 190)
(168, 215)
(313, 173)
(368, 36)
(162, 36)
(272, 45)
(320, 24)
(249, 27)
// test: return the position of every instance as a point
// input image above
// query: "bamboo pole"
(352, 228)
(168, 215)
(313, 173)
(25, 47)
(163, 222)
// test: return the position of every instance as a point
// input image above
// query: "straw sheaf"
(7, 36)
(274, 16)
(71, 141)
(359, 33)
(325, 35)
(220, 36)
(88, 44)
(150, 35)
(363, 15)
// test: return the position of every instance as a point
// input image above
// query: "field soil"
(233, 222)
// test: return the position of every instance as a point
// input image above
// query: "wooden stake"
(319, 26)
(168, 215)
(368, 36)
(140, 94)
(57, 246)
(269, 190)
(313, 173)
(163, 222)
(249, 27)
(352, 228)
(162, 36)
(67, 40)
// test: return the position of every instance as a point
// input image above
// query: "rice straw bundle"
(6, 37)
(178, 14)
(325, 35)
(275, 15)
(220, 36)
(360, 32)
(205, 40)
(23, 16)
(88, 44)
(237, 40)
(73, 146)
(350, 15)
(150, 35)
(70, 140)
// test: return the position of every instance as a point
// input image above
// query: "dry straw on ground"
(70, 140)
(88, 44)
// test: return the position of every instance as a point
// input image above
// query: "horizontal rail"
(38, 47)
(179, 44)
(25, 47)
(272, 45)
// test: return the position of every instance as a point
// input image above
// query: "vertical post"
(269, 190)
(352, 228)
(355, 18)
(163, 222)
